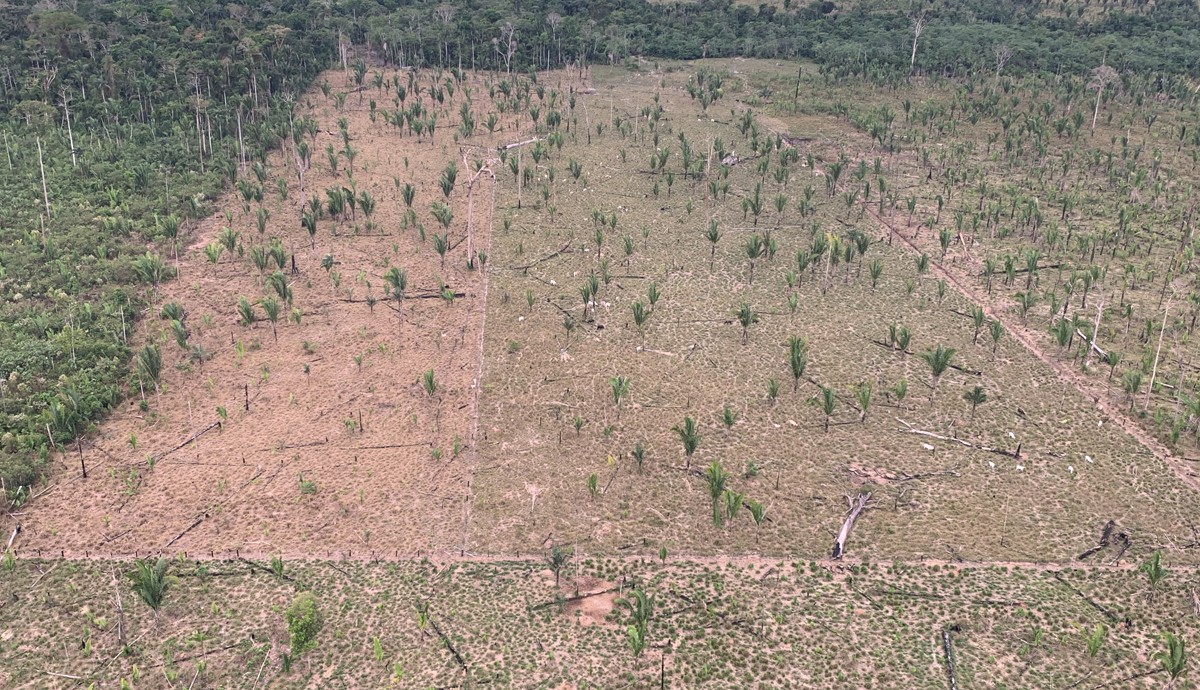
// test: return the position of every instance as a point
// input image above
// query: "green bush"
(304, 623)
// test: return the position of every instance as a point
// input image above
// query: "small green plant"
(307, 487)
(759, 513)
(151, 582)
(1096, 639)
(975, 397)
(428, 382)
(277, 566)
(558, 559)
(827, 400)
(1173, 658)
(716, 478)
(593, 485)
(689, 436)
(639, 455)
(747, 318)
(728, 416)
(797, 359)
(620, 390)
(1155, 571)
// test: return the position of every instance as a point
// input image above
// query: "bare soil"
(338, 400)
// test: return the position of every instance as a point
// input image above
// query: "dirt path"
(1067, 374)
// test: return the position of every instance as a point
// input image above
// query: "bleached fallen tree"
(857, 506)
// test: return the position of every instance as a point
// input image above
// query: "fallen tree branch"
(190, 527)
(856, 508)
(572, 599)
(449, 645)
(949, 653)
(1112, 617)
(1122, 681)
(549, 256)
(188, 440)
(43, 575)
(910, 429)
(1105, 537)
(520, 143)
(1093, 344)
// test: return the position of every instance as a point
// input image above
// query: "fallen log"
(964, 370)
(449, 645)
(520, 143)
(194, 525)
(909, 429)
(549, 256)
(1105, 537)
(856, 508)
(949, 653)
(572, 599)
(188, 440)
(1121, 682)
(1112, 617)
(1093, 344)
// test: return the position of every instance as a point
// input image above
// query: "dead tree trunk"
(949, 653)
(484, 170)
(857, 505)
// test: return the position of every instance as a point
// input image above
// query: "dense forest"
(122, 121)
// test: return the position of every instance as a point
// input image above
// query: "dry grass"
(718, 624)
(1050, 504)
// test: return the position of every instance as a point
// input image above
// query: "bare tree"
(919, 21)
(66, 104)
(445, 15)
(1102, 77)
(555, 20)
(506, 45)
(484, 170)
(1003, 54)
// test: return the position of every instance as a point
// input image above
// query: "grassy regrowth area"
(721, 624)
(560, 460)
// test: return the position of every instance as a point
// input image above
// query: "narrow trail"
(1021, 334)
